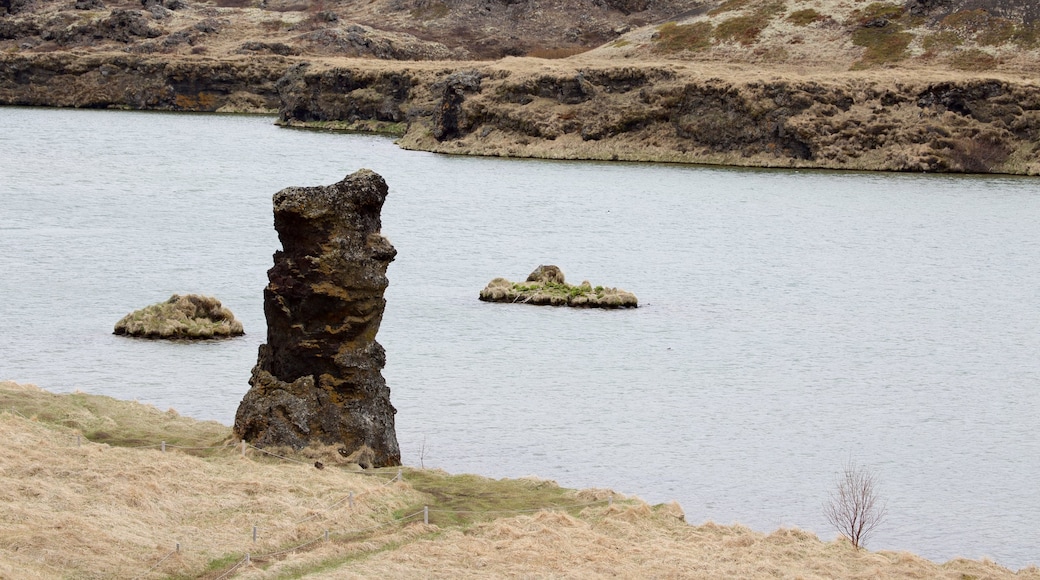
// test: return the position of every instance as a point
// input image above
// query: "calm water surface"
(789, 321)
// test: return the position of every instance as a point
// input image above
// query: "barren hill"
(834, 34)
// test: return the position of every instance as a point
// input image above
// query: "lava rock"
(317, 379)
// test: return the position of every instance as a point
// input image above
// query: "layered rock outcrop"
(570, 110)
(317, 380)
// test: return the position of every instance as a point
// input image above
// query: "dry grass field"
(86, 491)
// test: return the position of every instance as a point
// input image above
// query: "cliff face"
(678, 114)
(317, 379)
(576, 109)
(129, 81)
(973, 125)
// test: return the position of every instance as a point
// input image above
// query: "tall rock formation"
(317, 379)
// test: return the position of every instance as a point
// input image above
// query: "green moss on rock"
(546, 287)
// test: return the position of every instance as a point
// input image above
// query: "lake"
(789, 321)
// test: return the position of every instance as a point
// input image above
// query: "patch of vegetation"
(941, 41)
(746, 29)
(973, 60)
(883, 45)
(460, 500)
(672, 37)
(982, 27)
(1027, 36)
(742, 29)
(562, 290)
(106, 420)
(804, 17)
(549, 291)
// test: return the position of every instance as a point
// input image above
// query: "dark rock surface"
(317, 379)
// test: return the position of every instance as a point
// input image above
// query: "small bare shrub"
(855, 509)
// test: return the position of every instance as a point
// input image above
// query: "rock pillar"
(318, 379)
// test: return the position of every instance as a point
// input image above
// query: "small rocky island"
(546, 287)
(317, 380)
(192, 317)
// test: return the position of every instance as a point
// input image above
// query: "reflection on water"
(789, 320)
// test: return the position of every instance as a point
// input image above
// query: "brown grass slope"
(98, 510)
(838, 35)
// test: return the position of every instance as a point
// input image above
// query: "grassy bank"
(86, 491)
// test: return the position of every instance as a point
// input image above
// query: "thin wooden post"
(326, 535)
(610, 500)
(164, 447)
(78, 440)
(247, 558)
(243, 448)
(178, 547)
(254, 534)
(426, 514)
(350, 499)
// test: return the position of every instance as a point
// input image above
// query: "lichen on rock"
(546, 286)
(317, 379)
(181, 317)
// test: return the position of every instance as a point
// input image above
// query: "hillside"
(967, 35)
(833, 35)
(89, 492)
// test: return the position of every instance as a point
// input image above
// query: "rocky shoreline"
(580, 109)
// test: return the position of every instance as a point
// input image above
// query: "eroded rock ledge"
(317, 380)
(546, 286)
(904, 121)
